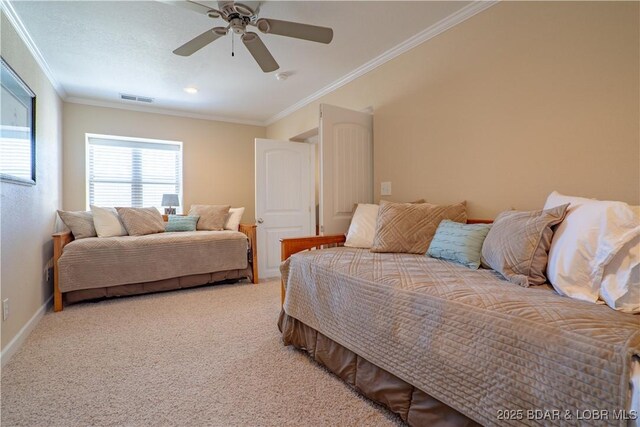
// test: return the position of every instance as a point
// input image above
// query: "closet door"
(346, 165)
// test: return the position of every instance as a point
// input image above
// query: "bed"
(95, 267)
(440, 344)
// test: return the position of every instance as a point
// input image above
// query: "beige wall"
(218, 157)
(522, 99)
(28, 212)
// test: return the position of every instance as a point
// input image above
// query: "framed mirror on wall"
(17, 128)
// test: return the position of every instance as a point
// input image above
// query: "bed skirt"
(414, 406)
(157, 286)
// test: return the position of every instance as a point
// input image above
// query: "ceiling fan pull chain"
(232, 44)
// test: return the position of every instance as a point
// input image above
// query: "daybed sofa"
(95, 267)
(444, 345)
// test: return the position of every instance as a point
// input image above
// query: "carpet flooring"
(206, 356)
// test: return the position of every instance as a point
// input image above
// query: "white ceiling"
(99, 49)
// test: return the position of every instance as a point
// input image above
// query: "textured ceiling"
(97, 50)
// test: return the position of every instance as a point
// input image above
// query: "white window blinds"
(132, 173)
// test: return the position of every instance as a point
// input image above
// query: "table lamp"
(170, 200)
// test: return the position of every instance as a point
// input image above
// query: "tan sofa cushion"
(409, 227)
(141, 221)
(517, 245)
(80, 223)
(212, 217)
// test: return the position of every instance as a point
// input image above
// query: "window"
(132, 172)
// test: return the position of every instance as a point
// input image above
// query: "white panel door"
(284, 197)
(346, 165)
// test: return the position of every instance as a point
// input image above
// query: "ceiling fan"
(239, 16)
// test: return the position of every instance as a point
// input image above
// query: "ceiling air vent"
(136, 98)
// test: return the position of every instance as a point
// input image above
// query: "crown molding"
(15, 20)
(429, 33)
(158, 110)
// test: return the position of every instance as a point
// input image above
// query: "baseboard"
(24, 332)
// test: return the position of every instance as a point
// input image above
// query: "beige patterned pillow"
(80, 223)
(410, 227)
(517, 245)
(141, 221)
(212, 217)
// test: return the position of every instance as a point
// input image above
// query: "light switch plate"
(385, 188)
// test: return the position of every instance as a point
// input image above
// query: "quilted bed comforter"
(101, 262)
(467, 337)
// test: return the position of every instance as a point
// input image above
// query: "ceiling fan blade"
(259, 51)
(294, 29)
(192, 46)
(191, 5)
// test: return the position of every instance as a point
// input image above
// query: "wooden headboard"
(479, 221)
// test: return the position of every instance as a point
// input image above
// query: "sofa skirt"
(414, 406)
(156, 286)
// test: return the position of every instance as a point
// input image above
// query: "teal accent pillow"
(182, 223)
(457, 242)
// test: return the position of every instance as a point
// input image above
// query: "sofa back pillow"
(212, 217)
(79, 222)
(459, 243)
(620, 287)
(362, 229)
(181, 223)
(586, 242)
(107, 222)
(518, 243)
(409, 227)
(141, 221)
(233, 219)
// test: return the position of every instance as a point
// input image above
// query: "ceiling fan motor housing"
(244, 10)
(226, 7)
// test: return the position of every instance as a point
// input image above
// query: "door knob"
(260, 220)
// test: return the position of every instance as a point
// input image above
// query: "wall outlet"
(385, 188)
(48, 269)
(5, 309)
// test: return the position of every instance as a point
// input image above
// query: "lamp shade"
(170, 200)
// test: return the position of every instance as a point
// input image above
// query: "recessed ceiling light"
(191, 90)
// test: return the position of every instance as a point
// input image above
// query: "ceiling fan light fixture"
(191, 90)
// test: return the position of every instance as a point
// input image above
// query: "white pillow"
(233, 219)
(107, 222)
(620, 287)
(590, 236)
(363, 226)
